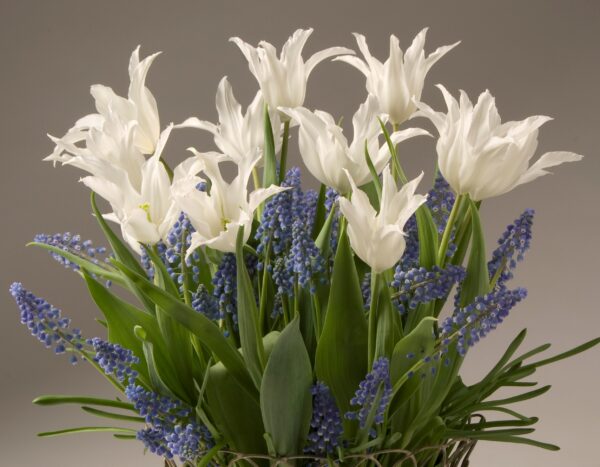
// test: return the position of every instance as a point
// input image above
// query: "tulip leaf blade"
(208, 332)
(342, 349)
(270, 167)
(248, 317)
(285, 396)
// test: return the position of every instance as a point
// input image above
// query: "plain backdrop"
(537, 57)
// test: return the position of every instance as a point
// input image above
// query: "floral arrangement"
(260, 319)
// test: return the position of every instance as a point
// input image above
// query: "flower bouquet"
(253, 322)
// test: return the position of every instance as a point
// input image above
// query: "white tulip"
(326, 152)
(398, 82)
(121, 131)
(217, 215)
(283, 80)
(379, 238)
(239, 136)
(480, 156)
(146, 212)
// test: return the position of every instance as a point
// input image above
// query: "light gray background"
(537, 57)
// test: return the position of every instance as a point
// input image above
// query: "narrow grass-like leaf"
(285, 397)
(86, 429)
(113, 415)
(60, 399)
(567, 354)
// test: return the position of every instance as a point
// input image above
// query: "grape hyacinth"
(417, 286)
(478, 319)
(73, 244)
(326, 423)
(512, 245)
(154, 440)
(46, 323)
(205, 303)
(189, 442)
(114, 359)
(331, 197)
(157, 410)
(376, 388)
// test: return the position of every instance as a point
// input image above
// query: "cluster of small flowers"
(170, 431)
(286, 226)
(205, 303)
(419, 285)
(189, 441)
(46, 323)
(331, 197)
(512, 245)
(376, 388)
(114, 359)
(225, 282)
(365, 288)
(326, 427)
(478, 319)
(275, 228)
(72, 244)
(177, 247)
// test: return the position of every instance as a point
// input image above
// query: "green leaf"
(83, 263)
(374, 174)
(420, 342)
(113, 415)
(121, 318)
(386, 333)
(249, 329)
(285, 396)
(86, 429)
(121, 252)
(320, 212)
(235, 413)
(198, 324)
(567, 354)
(477, 280)
(270, 167)
(323, 241)
(511, 400)
(341, 357)
(428, 237)
(60, 399)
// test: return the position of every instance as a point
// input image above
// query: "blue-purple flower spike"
(189, 442)
(475, 321)
(373, 394)
(326, 427)
(73, 244)
(512, 245)
(46, 323)
(419, 285)
(114, 359)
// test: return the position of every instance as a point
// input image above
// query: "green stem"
(317, 314)
(441, 257)
(284, 150)
(372, 332)
(397, 169)
(186, 292)
(263, 289)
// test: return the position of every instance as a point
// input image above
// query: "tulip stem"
(284, 150)
(397, 170)
(441, 257)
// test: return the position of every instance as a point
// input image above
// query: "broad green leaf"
(248, 317)
(323, 241)
(477, 280)
(270, 167)
(428, 237)
(386, 333)
(413, 347)
(285, 396)
(320, 212)
(121, 252)
(235, 413)
(198, 324)
(99, 401)
(341, 357)
(177, 339)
